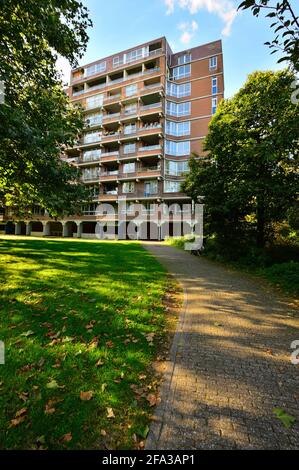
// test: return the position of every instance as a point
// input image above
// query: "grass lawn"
(82, 321)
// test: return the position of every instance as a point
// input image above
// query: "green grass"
(65, 305)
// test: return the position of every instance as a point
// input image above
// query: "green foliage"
(285, 23)
(37, 121)
(78, 316)
(284, 275)
(249, 178)
(287, 420)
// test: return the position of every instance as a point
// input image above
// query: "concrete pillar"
(18, 228)
(46, 229)
(28, 229)
(65, 231)
(159, 232)
(79, 229)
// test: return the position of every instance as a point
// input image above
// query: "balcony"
(150, 148)
(109, 175)
(113, 98)
(101, 86)
(90, 178)
(111, 117)
(143, 172)
(140, 58)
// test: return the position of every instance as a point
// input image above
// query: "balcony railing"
(149, 147)
(119, 80)
(110, 154)
(150, 106)
(111, 116)
(109, 173)
(78, 93)
(112, 98)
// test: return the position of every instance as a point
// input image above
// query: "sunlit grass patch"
(77, 316)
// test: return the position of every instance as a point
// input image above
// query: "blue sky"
(120, 24)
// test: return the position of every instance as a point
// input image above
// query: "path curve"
(229, 364)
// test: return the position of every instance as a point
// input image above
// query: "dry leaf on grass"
(67, 437)
(86, 396)
(110, 413)
(153, 399)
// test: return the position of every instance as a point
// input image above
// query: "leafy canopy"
(249, 176)
(37, 121)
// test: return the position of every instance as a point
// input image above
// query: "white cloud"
(170, 6)
(188, 31)
(224, 9)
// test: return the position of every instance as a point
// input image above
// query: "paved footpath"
(229, 363)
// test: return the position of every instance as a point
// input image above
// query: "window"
(130, 129)
(214, 86)
(178, 91)
(177, 149)
(129, 148)
(178, 129)
(94, 69)
(178, 109)
(183, 71)
(94, 101)
(91, 173)
(117, 61)
(131, 90)
(131, 109)
(94, 119)
(214, 105)
(213, 63)
(91, 137)
(150, 187)
(91, 155)
(128, 187)
(184, 59)
(129, 168)
(134, 55)
(172, 186)
(174, 168)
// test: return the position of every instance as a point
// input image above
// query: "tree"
(248, 178)
(37, 120)
(285, 25)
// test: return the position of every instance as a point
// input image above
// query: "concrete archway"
(10, 228)
(53, 229)
(36, 229)
(70, 229)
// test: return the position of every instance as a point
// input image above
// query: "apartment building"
(146, 111)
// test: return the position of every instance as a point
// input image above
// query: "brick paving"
(229, 364)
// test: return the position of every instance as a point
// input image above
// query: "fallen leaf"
(103, 387)
(67, 437)
(110, 344)
(52, 385)
(110, 413)
(23, 396)
(86, 396)
(103, 432)
(15, 422)
(49, 408)
(153, 399)
(28, 333)
(22, 412)
(100, 363)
